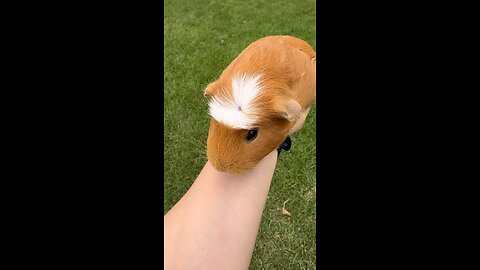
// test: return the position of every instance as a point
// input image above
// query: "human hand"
(297, 126)
(299, 123)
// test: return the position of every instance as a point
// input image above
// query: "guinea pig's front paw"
(286, 145)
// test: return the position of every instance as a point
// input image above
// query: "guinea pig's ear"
(209, 90)
(291, 110)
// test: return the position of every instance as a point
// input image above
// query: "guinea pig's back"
(285, 59)
(302, 60)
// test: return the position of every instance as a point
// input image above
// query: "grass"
(201, 38)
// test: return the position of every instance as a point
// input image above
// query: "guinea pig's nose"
(227, 167)
(221, 165)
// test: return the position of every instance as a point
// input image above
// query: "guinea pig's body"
(257, 100)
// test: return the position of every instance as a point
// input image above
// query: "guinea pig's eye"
(252, 134)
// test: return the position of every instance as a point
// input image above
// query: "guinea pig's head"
(250, 119)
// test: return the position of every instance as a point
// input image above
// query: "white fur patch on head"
(239, 112)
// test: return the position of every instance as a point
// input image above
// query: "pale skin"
(215, 224)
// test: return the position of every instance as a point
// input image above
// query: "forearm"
(214, 226)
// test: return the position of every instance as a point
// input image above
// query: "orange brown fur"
(288, 67)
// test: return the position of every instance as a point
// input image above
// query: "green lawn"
(201, 39)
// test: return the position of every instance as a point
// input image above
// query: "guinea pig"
(257, 99)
